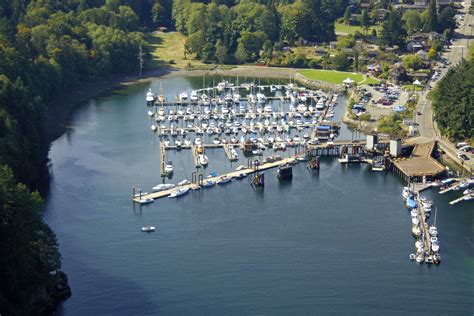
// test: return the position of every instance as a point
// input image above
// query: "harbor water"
(333, 241)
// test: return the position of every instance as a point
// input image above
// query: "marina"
(231, 241)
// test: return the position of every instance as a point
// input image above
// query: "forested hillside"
(47, 46)
(229, 32)
(453, 102)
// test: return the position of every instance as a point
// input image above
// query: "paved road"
(458, 50)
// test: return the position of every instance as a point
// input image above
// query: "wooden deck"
(420, 163)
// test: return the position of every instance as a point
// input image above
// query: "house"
(423, 54)
(435, 36)
(380, 14)
(320, 51)
(355, 19)
(374, 69)
(414, 46)
(372, 54)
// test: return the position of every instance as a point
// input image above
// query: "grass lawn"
(351, 29)
(336, 76)
(167, 49)
(410, 87)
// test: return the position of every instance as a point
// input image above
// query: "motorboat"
(433, 231)
(194, 96)
(145, 201)
(224, 180)
(208, 183)
(148, 229)
(203, 160)
(184, 182)
(179, 192)
(416, 231)
(420, 258)
(162, 187)
(435, 246)
(406, 192)
(169, 167)
(150, 97)
(411, 203)
(153, 127)
(241, 167)
(183, 96)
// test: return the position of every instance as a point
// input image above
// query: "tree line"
(46, 47)
(228, 32)
(453, 102)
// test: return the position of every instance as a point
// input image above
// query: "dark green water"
(333, 242)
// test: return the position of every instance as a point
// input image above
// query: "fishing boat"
(179, 192)
(162, 187)
(148, 229)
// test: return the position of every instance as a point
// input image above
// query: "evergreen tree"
(392, 32)
(365, 21)
(347, 15)
(431, 22)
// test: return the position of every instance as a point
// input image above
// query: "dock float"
(247, 171)
(454, 186)
(465, 197)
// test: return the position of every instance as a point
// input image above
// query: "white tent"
(416, 82)
(348, 81)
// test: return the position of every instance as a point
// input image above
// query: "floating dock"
(247, 171)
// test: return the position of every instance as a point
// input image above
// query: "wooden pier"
(247, 171)
(462, 198)
(228, 152)
(453, 186)
(424, 226)
(162, 160)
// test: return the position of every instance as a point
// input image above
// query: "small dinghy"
(148, 229)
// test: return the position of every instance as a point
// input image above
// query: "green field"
(167, 49)
(336, 76)
(351, 29)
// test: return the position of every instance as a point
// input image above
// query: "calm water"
(333, 242)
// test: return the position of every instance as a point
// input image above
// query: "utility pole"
(140, 60)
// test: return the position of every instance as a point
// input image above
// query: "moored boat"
(179, 192)
(148, 229)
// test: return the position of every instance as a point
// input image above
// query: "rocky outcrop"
(47, 298)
